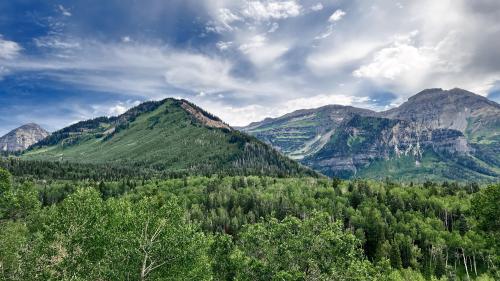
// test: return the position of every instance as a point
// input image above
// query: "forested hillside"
(247, 228)
(168, 136)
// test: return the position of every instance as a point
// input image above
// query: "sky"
(64, 61)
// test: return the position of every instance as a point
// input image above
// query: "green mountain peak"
(171, 134)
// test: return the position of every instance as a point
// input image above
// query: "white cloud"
(328, 59)
(126, 39)
(227, 17)
(117, 110)
(261, 52)
(267, 10)
(263, 73)
(254, 42)
(326, 34)
(9, 49)
(104, 109)
(221, 45)
(321, 100)
(412, 64)
(402, 56)
(241, 116)
(317, 7)
(65, 12)
(56, 42)
(223, 21)
(3, 72)
(274, 27)
(336, 16)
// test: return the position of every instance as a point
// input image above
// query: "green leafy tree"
(86, 238)
(223, 267)
(313, 249)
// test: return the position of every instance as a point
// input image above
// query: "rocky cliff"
(452, 134)
(304, 132)
(23, 137)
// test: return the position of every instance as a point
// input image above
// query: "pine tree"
(440, 269)
(396, 256)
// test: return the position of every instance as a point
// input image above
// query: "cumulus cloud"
(317, 7)
(9, 49)
(221, 45)
(336, 16)
(117, 110)
(266, 10)
(400, 58)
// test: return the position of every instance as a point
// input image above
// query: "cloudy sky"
(243, 60)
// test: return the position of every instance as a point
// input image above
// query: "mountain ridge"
(171, 134)
(455, 127)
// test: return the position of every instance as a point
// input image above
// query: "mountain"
(303, 132)
(455, 109)
(437, 134)
(173, 135)
(21, 138)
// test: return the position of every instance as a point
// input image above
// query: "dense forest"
(247, 228)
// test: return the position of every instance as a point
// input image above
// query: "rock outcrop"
(453, 130)
(23, 137)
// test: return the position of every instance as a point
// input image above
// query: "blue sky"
(243, 60)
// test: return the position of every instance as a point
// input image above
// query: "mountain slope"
(172, 135)
(436, 134)
(21, 138)
(377, 147)
(303, 132)
(455, 109)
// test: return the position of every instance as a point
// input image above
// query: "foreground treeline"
(247, 228)
(247, 164)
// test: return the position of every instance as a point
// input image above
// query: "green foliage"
(486, 209)
(312, 249)
(13, 237)
(247, 228)
(16, 203)
(86, 238)
(163, 136)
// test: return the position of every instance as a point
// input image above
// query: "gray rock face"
(304, 132)
(441, 109)
(21, 138)
(454, 133)
(362, 140)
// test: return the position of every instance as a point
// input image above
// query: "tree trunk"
(144, 267)
(475, 267)
(456, 262)
(465, 263)
(446, 218)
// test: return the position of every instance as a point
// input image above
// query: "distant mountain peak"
(426, 93)
(455, 95)
(22, 137)
(435, 128)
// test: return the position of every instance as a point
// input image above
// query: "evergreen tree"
(395, 256)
